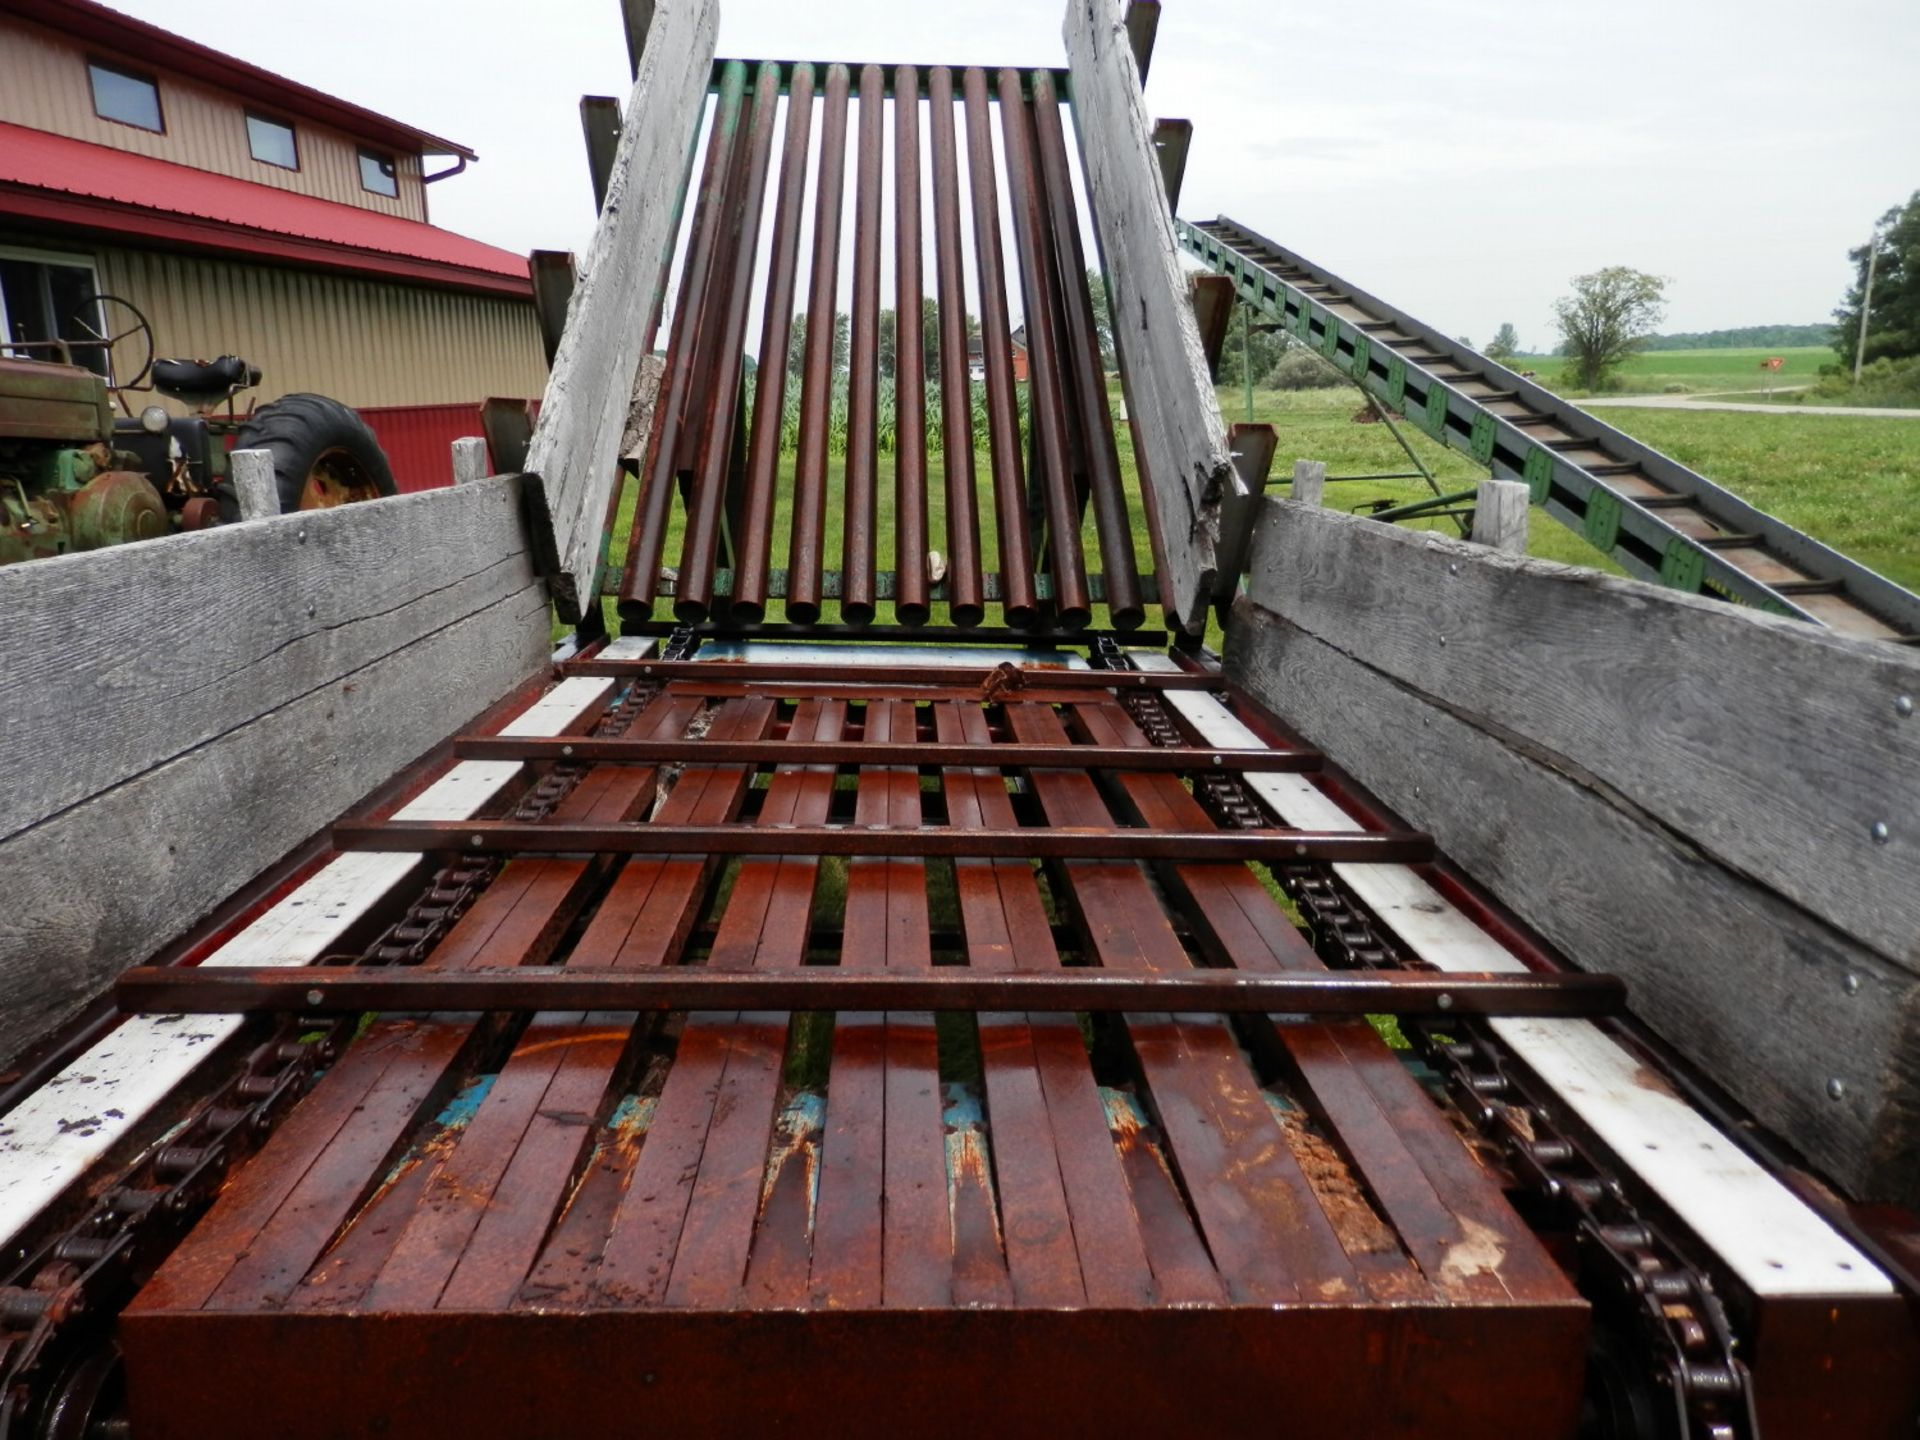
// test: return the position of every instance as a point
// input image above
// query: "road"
(1698, 402)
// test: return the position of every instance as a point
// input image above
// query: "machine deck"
(715, 1204)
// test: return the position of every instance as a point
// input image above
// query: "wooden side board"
(576, 446)
(1183, 440)
(1814, 1032)
(180, 714)
(1771, 745)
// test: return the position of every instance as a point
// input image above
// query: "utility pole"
(1866, 306)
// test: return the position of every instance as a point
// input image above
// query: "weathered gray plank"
(1182, 436)
(1772, 745)
(1500, 516)
(105, 883)
(576, 445)
(1772, 1003)
(115, 661)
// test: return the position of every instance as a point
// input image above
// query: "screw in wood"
(1836, 1089)
(1903, 706)
(1881, 834)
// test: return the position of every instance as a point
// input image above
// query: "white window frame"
(71, 259)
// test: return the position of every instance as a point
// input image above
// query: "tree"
(889, 344)
(797, 343)
(1505, 343)
(1893, 324)
(1267, 344)
(1102, 316)
(1610, 315)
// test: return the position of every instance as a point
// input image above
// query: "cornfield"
(837, 416)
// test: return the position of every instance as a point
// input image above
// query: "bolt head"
(314, 997)
(301, 536)
(478, 839)
(1445, 1002)
(1836, 1089)
(1852, 983)
(312, 609)
(1903, 706)
(1881, 834)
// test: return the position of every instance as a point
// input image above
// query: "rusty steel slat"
(1064, 841)
(693, 591)
(1081, 345)
(1070, 1236)
(1005, 680)
(792, 751)
(804, 562)
(1264, 1228)
(1436, 1197)
(1003, 413)
(754, 544)
(764, 924)
(857, 592)
(966, 586)
(910, 603)
(641, 582)
(1044, 371)
(331, 989)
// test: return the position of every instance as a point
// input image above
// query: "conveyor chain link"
(65, 1289)
(1628, 1269)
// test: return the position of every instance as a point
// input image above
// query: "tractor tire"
(323, 455)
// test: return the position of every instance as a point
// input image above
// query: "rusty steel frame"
(1007, 681)
(341, 990)
(508, 837)
(919, 754)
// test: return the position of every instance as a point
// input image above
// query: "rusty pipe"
(816, 382)
(966, 588)
(910, 605)
(753, 546)
(1003, 410)
(747, 202)
(1047, 399)
(863, 396)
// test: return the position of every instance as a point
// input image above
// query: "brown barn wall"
(44, 86)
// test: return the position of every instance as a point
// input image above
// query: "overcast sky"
(1458, 158)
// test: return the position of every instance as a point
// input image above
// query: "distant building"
(977, 357)
(248, 214)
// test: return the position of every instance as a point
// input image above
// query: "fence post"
(255, 485)
(1310, 482)
(469, 460)
(1500, 516)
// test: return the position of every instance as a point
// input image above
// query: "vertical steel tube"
(1081, 354)
(654, 509)
(746, 199)
(966, 588)
(863, 397)
(1044, 387)
(910, 371)
(816, 382)
(1003, 409)
(754, 544)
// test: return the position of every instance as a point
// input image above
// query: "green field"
(1853, 483)
(1696, 372)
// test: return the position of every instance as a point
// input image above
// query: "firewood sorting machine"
(884, 974)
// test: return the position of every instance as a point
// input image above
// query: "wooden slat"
(576, 445)
(1168, 389)
(392, 622)
(1760, 1229)
(107, 1092)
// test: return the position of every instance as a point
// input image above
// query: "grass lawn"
(1696, 372)
(1852, 483)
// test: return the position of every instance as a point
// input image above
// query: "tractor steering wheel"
(103, 329)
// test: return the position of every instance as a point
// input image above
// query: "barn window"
(377, 173)
(47, 297)
(122, 95)
(272, 142)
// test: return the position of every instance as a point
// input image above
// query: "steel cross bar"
(1006, 678)
(822, 752)
(322, 990)
(505, 837)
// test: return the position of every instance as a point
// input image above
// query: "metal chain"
(89, 1269)
(1627, 1265)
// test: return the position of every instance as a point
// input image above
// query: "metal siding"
(365, 342)
(44, 85)
(419, 440)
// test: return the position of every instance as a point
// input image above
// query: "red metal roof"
(71, 182)
(115, 34)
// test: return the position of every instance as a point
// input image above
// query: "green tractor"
(79, 469)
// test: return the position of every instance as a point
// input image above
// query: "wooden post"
(1500, 515)
(1310, 482)
(255, 485)
(470, 460)
(600, 122)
